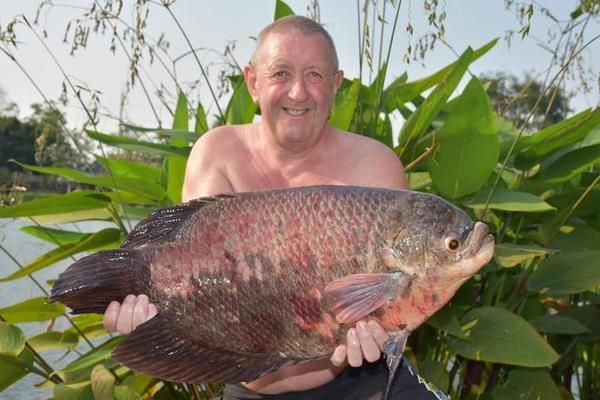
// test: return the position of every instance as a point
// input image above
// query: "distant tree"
(514, 99)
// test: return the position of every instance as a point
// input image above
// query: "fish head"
(435, 242)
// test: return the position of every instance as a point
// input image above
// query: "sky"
(212, 25)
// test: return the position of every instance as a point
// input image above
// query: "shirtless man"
(293, 77)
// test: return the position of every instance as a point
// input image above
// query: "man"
(293, 77)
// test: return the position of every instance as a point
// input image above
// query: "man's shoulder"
(364, 145)
(222, 138)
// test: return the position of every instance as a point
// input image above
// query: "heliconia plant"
(527, 326)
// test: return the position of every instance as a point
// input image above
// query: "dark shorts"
(365, 383)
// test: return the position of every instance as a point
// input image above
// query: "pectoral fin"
(355, 296)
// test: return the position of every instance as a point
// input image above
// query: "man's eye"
(280, 74)
(314, 76)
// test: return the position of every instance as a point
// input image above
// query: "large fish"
(250, 282)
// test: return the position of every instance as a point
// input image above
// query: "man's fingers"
(378, 333)
(125, 319)
(370, 349)
(338, 358)
(140, 310)
(110, 316)
(152, 311)
(354, 352)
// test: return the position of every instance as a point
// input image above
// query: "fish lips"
(480, 248)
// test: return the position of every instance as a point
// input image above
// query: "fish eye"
(452, 243)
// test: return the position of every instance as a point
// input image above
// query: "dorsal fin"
(163, 224)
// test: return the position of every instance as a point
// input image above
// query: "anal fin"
(156, 348)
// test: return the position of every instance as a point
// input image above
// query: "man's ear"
(338, 79)
(250, 77)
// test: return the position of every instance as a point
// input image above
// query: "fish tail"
(91, 283)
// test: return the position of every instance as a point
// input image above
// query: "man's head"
(301, 24)
(293, 77)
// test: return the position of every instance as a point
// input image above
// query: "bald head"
(296, 23)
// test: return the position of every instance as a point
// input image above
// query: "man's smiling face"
(293, 80)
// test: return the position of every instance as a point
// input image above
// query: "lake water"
(24, 249)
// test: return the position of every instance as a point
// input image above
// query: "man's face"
(294, 83)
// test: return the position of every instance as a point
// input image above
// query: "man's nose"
(298, 90)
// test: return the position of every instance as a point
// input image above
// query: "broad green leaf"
(282, 10)
(123, 392)
(89, 324)
(174, 166)
(201, 121)
(400, 92)
(567, 272)
(175, 133)
(507, 133)
(527, 384)
(97, 355)
(32, 310)
(446, 320)
(138, 145)
(83, 202)
(345, 104)
(73, 391)
(12, 340)
(509, 201)
(434, 373)
(558, 324)
(54, 236)
(497, 335)
(510, 255)
(420, 120)
(103, 383)
(582, 238)
(467, 150)
(570, 165)
(103, 239)
(241, 108)
(53, 341)
(130, 169)
(532, 148)
(14, 368)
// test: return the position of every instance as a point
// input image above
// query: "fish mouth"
(481, 244)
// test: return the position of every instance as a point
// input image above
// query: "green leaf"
(421, 119)
(241, 108)
(130, 169)
(54, 236)
(345, 104)
(558, 324)
(73, 391)
(12, 340)
(14, 368)
(509, 201)
(527, 384)
(183, 134)
(53, 341)
(510, 255)
(123, 392)
(567, 272)
(467, 150)
(103, 239)
(32, 310)
(138, 145)
(282, 10)
(201, 121)
(89, 324)
(570, 165)
(103, 383)
(97, 355)
(499, 336)
(400, 92)
(174, 166)
(74, 206)
(434, 373)
(446, 320)
(532, 149)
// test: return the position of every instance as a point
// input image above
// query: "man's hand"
(125, 317)
(364, 342)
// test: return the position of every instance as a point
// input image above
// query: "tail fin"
(90, 284)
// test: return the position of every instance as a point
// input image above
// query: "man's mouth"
(296, 112)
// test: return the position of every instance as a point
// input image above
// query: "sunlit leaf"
(12, 339)
(570, 165)
(558, 324)
(130, 169)
(201, 122)
(14, 368)
(282, 10)
(446, 320)
(174, 166)
(467, 150)
(54, 236)
(567, 272)
(345, 104)
(138, 145)
(527, 384)
(73, 391)
(32, 310)
(103, 239)
(509, 201)
(89, 324)
(99, 354)
(510, 255)
(174, 133)
(53, 341)
(241, 108)
(102, 383)
(497, 335)
(123, 392)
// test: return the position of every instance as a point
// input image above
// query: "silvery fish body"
(250, 282)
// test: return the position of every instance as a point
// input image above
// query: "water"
(25, 249)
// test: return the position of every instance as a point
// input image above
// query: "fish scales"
(250, 282)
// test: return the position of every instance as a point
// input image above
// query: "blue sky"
(214, 24)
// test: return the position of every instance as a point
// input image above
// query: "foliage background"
(526, 327)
